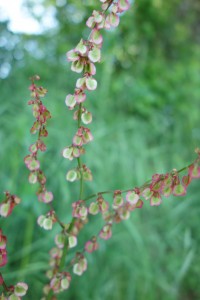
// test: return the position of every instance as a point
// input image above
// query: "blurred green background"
(145, 121)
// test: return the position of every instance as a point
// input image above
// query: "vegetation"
(146, 121)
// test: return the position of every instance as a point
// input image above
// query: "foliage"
(162, 100)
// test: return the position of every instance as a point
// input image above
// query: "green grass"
(144, 123)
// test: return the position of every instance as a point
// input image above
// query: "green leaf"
(155, 199)
(4, 209)
(65, 283)
(32, 178)
(70, 101)
(77, 66)
(72, 241)
(147, 193)
(132, 197)
(81, 48)
(91, 83)
(47, 224)
(94, 55)
(179, 190)
(72, 55)
(93, 208)
(47, 197)
(96, 37)
(21, 289)
(86, 117)
(71, 175)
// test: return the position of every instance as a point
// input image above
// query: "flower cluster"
(76, 173)
(14, 292)
(54, 274)
(83, 58)
(47, 221)
(121, 206)
(80, 264)
(91, 245)
(170, 184)
(3, 252)
(119, 211)
(20, 289)
(118, 6)
(59, 281)
(41, 115)
(159, 186)
(10, 292)
(7, 205)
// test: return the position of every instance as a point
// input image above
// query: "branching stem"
(79, 159)
(125, 191)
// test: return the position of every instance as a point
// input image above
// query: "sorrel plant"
(83, 58)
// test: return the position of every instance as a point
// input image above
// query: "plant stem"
(146, 184)
(111, 2)
(65, 248)
(56, 216)
(79, 159)
(3, 283)
(50, 294)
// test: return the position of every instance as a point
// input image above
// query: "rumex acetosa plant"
(83, 58)
(11, 292)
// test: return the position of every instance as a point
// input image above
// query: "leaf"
(60, 240)
(97, 16)
(166, 190)
(123, 5)
(47, 197)
(194, 171)
(147, 193)
(117, 201)
(40, 220)
(105, 232)
(86, 117)
(4, 209)
(186, 180)
(93, 208)
(21, 289)
(67, 153)
(91, 83)
(47, 224)
(90, 22)
(71, 175)
(32, 178)
(113, 19)
(70, 101)
(33, 165)
(81, 48)
(65, 283)
(77, 270)
(155, 199)
(94, 55)
(132, 197)
(139, 204)
(96, 36)
(72, 241)
(80, 83)
(72, 55)
(77, 66)
(179, 190)
(80, 97)
(87, 175)
(77, 140)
